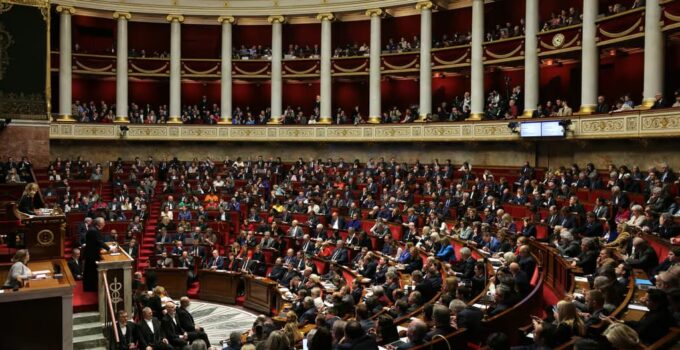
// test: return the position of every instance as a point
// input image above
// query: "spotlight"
(564, 123)
(5, 123)
(514, 127)
(123, 130)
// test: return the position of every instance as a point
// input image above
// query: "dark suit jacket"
(439, 331)
(93, 244)
(172, 331)
(76, 268)
(340, 256)
(466, 268)
(528, 265)
(588, 261)
(277, 273)
(131, 335)
(366, 342)
(148, 338)
(470, 318)
(644, 259)
(309, 316)
(186, 321)
(522, 283)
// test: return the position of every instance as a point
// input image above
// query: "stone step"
(85, 317)
(83, 329)
(89, 342)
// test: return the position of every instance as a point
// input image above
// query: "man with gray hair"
(467, 317)
(416, 332)
(309, 315)
(567, 245)
(466, 267)
(442, 322)
(92, 253)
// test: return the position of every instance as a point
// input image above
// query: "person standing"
(19, 272)
(92, 253)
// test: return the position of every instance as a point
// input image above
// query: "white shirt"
(150, 324)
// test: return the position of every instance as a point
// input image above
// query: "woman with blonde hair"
(30, 199)
(621, 336)
(291, 329)
(277, 341)
(568, 322)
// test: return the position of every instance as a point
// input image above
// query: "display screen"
(541, 129)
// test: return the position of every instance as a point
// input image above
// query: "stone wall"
(643, 152)
(24, 138)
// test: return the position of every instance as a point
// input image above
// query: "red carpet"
(84, 301)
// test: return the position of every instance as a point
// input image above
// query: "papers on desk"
(481, 306)
(581, 279)
(495, 261)
(578, 295)
(114, 254)
(638, 307)
(530, 335)
(400, 328)
(41, 272)
(41, 276)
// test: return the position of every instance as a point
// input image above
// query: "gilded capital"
(69, 9)
(125, 15)
(427, 5)
(276, 19)
(374, 12)
(226, 19)
(172, 18)
(325, 16)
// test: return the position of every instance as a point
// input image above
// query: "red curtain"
(252, 35)
(302, 34)
(400, 92)
(193, 91)
(561, 81)
(501, 12)
(350, 93)
(86, 89)
(253, 95)
(621, 75)
(201, 41)
(151, 37)
(148, 91)
(300, 94)
(93, 34)
(398, 27)
(446, 88)
(351, 32)
(449, 22)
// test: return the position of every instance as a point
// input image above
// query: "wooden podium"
(40, 314)
(260, 293)
(118, 269)
(42, 235)
(174, 280)
(219, 286)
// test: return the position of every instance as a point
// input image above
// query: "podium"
(40, 314)
(260, 293)
(219, 285)
(118, 270)
(174, 280)
(42, 235)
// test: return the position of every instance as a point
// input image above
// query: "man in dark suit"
(357, 339)
(339, 255)
(83, 227)
(127, 332)
(416, 332)
(526, 261)
(442, 322)
(595, 304)
(592, 228)
(467, 317)
(93, 246)
(337, 222)
(75, 265)
(288, 276)
(367, 270)
(186, 321)
(521, 279)
(502, 300)
(466, 267)
(216, 262)
(149, 332)
(587, 260)
(309, 313)
(644, 257)
(170, 326)
(277, 270)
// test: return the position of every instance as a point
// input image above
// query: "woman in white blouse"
(19, 272)
(637, 216)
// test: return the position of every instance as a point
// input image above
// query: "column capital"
(276, 19)
(226, 19)
(175, 17)
(69, 9)
(374, 12)
(425, 5)
(325, 16)
(125, 15)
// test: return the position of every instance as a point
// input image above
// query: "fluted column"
(590, 58)
(326, 79)
(425, 104)
(226, 83)
(122, 67)
(65, 80)
(477, 66)
(653, 82)
(175, 68)
(531, 69)
(277, 56)
(374, 67)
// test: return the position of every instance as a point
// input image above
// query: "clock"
(558, 40)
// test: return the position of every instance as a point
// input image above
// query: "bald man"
(521, 279)
(416, 332)
(186, 321)
(92, 253)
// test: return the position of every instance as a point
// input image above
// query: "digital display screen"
(541, 129)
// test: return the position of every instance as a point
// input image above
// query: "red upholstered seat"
(541, 232)
(535, 276)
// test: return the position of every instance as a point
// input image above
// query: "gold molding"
(175, 17)
(227, 19)
(427, 5)
(34, 3)
(374, 12)
(69, 9)
(622, 33)
(327, 16)
(126, 15)
(276, 19)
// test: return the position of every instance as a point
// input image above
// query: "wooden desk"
(40, 303)
(220, 286)
(118, 269)
(43, 236)
(174, 280)
(260, 293)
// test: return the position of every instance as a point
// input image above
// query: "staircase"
(149, 239)
(87, 332)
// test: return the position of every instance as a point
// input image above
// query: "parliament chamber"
(387, 174)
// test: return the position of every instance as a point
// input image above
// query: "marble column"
(374, 109)
(425, 104)
(276, 67)
(122, 67)
(531, 67)
(653, 69)
(65, 65)
(325, 112)
(477, 65)
(226, 77)
(175, 68)
(590, 58)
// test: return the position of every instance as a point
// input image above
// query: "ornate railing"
(633, 124)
